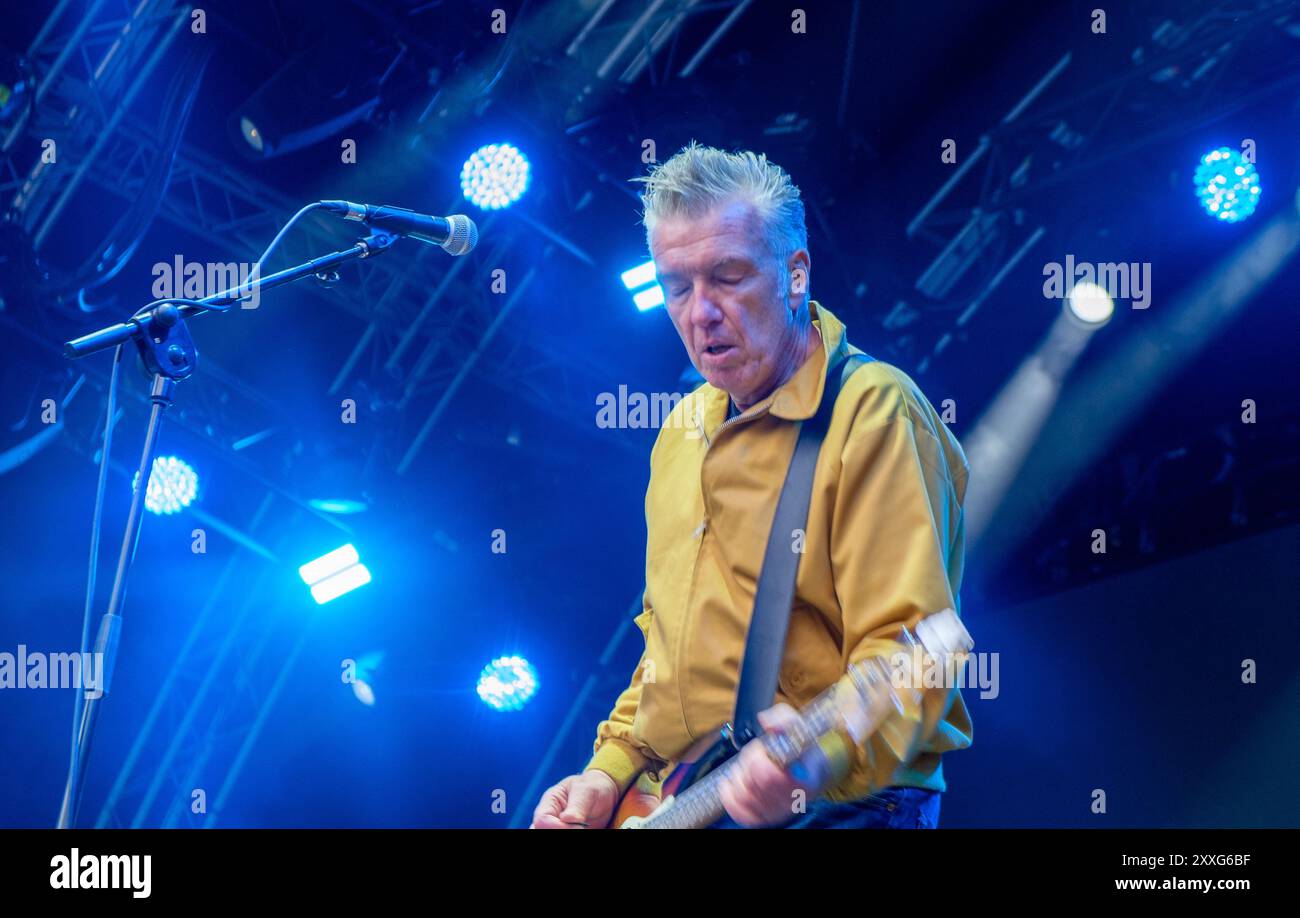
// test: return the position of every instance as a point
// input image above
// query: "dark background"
(1118, 671)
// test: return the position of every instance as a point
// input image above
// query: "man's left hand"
(758, 792)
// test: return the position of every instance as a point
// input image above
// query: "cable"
(256, 272)
(257, 268)
(95, 526)
(148, 307)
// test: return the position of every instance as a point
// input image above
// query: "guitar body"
(646, 796)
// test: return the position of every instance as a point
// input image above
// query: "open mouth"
(717, 349)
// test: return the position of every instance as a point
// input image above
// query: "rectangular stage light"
(344, 581)
(325, 565)
(639, 276)
(649, 298)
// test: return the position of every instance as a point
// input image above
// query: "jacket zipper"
(702, 532)
(708, 444)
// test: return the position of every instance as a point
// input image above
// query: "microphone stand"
(168, 352)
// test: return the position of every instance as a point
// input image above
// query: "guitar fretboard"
(700, 805)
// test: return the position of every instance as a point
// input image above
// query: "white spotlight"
(1090, 303)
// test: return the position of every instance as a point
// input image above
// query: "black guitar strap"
(774, 597)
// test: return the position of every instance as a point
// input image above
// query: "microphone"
(457, 233)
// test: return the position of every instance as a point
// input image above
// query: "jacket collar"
(797, 399)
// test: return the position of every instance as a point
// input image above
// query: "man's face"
(724, 291)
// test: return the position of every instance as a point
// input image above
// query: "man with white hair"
(883, 545)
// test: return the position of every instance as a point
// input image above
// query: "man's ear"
(799, 266)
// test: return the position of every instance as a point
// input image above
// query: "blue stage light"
(494, 176)
(333, 574)
(365, 669)
(364, 693)
(507, 683)
(1227, 185)
(173, 485)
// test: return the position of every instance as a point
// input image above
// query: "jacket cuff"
(620, 760)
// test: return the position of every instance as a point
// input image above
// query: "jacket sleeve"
(896, 555)
(615, 752)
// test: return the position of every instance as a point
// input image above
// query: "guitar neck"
(697, 807)
(700, 805)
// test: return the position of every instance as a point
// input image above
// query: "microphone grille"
(463, 236)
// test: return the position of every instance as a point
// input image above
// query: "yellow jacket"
(884, 548)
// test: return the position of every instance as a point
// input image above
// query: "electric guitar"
(869, 701)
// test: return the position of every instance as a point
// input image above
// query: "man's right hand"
(578, 802)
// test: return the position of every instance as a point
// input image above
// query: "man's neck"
(812, 341)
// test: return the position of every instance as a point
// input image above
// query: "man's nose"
(704, 311)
